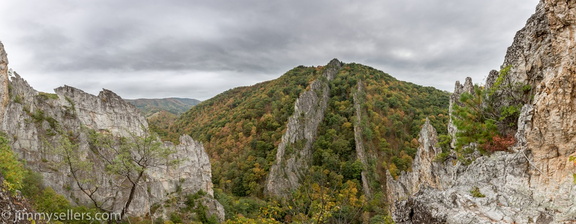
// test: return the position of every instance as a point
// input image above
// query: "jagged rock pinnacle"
(334, 63)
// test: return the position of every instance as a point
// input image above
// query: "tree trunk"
(131, 196)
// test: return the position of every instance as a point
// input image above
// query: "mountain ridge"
(174, 105)
(243, 128)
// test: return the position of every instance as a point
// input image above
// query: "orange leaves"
(499, 143)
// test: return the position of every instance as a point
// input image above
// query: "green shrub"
(476, 192)
(175, 218)
(352, 170)
(474, 122)
(44, 95)
(381, 219)
(11, 168)
(50, 201)
(32, 184)
(489, 117)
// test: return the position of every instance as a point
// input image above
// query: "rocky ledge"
(533, 181)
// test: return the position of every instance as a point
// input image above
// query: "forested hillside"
(242, 128)
(175, 106)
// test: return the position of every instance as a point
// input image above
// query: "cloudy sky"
(197, 49)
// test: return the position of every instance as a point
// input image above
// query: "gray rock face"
(191, 174)
(360, 150)
(107, 111)
(38, 123)
(444, 192)
(294, 151)
(551, 136)
(533, 182)
(193, 162)
(421, 175)
(4, 99)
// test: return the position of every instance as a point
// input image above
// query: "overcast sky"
(197, 49)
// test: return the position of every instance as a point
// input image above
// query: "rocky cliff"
(533, 182)
(493, 189)
(42, 126)
(4, 99)
(300, 134)
(551, 135)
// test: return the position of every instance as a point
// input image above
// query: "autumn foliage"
(499, 143)
(242, 128)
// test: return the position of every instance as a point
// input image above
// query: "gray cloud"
(200, 48)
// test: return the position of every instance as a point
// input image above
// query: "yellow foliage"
(393, 170)
(244, 220)
(347, 125)
(11, 169)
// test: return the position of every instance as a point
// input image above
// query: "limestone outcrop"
(552, 136)
(294, 151)
(493, 189)
(4, 99)
(359, 142)
(107, 111)
(424, 171)
(39, 124)
(533, 181)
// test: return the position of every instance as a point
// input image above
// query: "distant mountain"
(173, 105)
